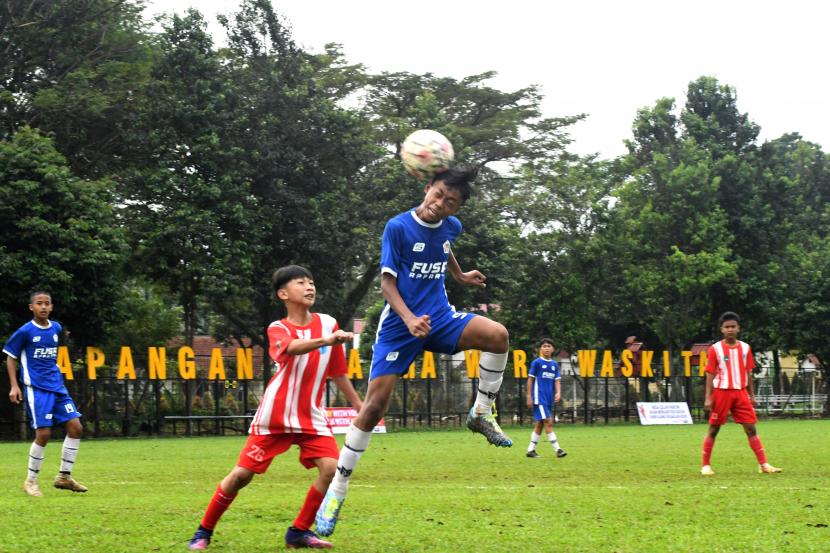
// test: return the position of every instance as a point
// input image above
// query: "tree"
(57, 232)
(74, 69)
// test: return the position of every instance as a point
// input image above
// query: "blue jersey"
(416, 253)
(37, 349)
(544, 372)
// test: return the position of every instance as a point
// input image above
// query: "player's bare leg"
(374, 407)
(493, 340)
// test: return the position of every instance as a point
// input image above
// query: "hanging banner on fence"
(664, 413)
(340, 418)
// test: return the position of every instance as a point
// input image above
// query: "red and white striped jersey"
(291, 402)
(730, 365)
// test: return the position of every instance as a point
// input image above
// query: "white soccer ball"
(425, 153)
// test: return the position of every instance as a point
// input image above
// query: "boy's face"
(730, 330)
(546, 350)
(299, 290)
(41, 306)
(440, 201)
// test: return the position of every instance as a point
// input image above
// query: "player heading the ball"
(416, 254)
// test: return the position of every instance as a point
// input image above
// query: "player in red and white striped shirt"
(729, 389)
(306, 349)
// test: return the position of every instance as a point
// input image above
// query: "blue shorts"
(396, 349)
(542, 412)
(48, 408)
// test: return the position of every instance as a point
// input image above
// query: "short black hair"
(728, 316)
(459, 178)
(39, 293)
(288, 273)
(544, 341)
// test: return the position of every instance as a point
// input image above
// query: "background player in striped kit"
(35, 346)
(416, 254)
(729, 389)
(543, 391)
(306, 348)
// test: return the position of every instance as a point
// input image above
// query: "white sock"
(491, 372)
(552, 440)
(35, 460)
(356, 443)
(70, 451)
(534, 439)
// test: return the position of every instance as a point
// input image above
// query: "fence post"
(403, 403)
(429, 401)
(606, 400)
(626, 399)
(587, 385)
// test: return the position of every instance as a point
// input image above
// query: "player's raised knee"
(499, 338)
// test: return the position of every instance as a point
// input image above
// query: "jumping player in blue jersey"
(416, 254)
(543, 391)
(34, 346)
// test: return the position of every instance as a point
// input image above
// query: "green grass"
(621, 488)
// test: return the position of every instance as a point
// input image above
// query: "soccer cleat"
(327, 513)
(31, 488)
(296, 539)
(766, 468)
(66, 482)
(200, 540)
(706, 470)
(487, 425)
(532, 454)
(561, 452)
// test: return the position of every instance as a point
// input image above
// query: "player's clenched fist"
(419, 327)
(339, 337)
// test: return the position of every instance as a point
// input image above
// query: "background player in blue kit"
(416, 253)
(35, 347)
(543, 391)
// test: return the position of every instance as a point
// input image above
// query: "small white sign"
(664, 413)
(340, 419)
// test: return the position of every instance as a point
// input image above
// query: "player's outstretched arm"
(419, 326)
(345, 385)
(469, 278)
(299, 346)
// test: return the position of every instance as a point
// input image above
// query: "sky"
(603, 58)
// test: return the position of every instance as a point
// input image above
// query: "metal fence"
(113, 407)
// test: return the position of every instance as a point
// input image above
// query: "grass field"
(621, 488)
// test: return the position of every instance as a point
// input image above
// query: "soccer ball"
(425, 153)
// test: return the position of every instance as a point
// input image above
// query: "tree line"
(152, 179)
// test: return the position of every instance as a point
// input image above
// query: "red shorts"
(734, 401)
(259, 451)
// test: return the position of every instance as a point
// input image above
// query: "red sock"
(758, 448)
(708, 444)
(309, 509)
(216, 508)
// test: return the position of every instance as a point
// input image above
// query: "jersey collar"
(42, 327)
(424, 223)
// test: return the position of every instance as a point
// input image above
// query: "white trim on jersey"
(24, 364)
(390, 271)
(535, 390)
(542, 411)
(387, 310)
(10, 354)
(424, 223)
(30, 396)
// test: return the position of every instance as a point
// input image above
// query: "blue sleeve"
(16, 343)
(534, 369)
(58, 328)
(456, 226)
(390, 249)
